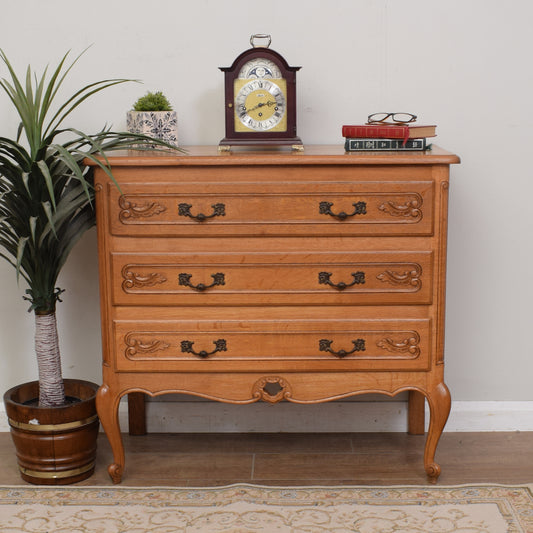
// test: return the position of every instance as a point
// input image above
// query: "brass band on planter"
(57, 475)
(52, 427)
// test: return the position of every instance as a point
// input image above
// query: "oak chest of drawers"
(269, 276)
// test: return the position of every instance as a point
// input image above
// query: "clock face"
(260, 104)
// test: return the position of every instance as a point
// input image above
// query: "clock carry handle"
(260, 36)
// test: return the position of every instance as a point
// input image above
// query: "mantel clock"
(260, 99)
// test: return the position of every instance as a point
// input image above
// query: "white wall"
(464, 65)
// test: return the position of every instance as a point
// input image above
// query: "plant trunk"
(51, 389)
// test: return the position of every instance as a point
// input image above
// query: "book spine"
(355, 145)
(376, 132)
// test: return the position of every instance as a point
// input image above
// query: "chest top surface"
(312, 155)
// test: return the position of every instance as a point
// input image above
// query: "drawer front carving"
(343, 345)
(247, 209)
(273, 279)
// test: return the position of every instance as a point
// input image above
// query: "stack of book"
(387, 137)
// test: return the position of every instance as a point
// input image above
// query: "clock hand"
(262, 104)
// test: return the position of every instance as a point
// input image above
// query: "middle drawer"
(323, 278)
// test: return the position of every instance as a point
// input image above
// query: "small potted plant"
(46, 205)
(153, 115)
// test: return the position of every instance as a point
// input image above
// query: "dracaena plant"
(47, 196)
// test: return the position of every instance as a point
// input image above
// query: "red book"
(388, 131)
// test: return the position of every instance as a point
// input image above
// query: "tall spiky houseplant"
(46, 197)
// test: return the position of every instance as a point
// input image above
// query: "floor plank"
(290, 459)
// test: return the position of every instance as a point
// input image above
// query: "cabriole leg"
(439, 400)
(107, 406)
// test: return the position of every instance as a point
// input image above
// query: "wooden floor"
(305, 459)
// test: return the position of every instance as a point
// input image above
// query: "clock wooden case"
(260, 99)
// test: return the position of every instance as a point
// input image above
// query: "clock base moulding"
(295, 143)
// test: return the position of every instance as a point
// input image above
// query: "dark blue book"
(356, 145)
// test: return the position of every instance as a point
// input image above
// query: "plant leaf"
(20, 253)
(48, 180)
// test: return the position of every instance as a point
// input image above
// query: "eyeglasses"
(391, 118)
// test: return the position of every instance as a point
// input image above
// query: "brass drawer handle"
(184, 210)
(359, 209)
(185, 279)
(358, 279)
(325, 346)
(220, 346)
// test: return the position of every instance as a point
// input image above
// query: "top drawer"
(272, 208)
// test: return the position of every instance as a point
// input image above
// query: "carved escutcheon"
(271, 389)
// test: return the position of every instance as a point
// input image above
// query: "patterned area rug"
(246, 508)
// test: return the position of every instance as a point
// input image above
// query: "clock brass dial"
(260, 105)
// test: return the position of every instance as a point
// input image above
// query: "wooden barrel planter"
(55, 445)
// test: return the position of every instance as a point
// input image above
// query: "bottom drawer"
(182, 346)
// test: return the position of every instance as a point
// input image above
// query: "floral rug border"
(515, 502)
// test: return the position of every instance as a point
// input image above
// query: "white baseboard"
(347, 416)
(198, 416)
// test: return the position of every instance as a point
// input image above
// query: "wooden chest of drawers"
(250, 276)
